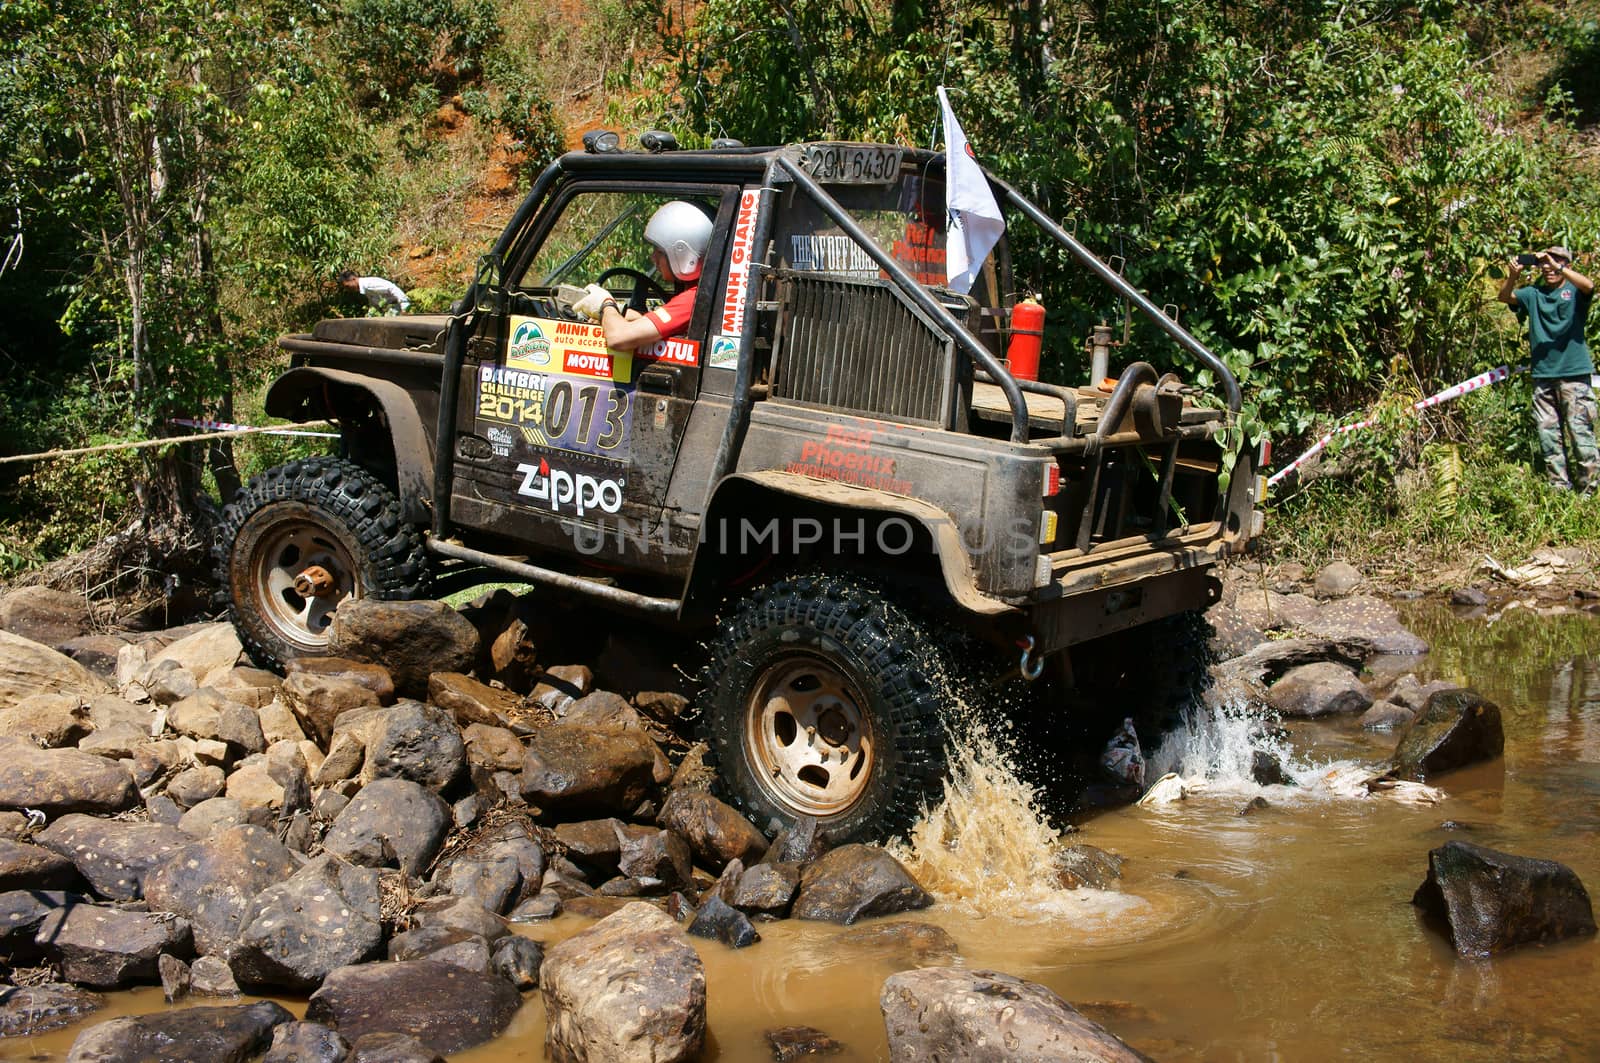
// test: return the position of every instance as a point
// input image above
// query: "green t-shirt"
(1555, 318)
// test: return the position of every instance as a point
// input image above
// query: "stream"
(1284, 934)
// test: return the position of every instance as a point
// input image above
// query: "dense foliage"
(1322, 191)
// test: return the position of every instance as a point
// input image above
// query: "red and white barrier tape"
(225, 426)
(1455, 391)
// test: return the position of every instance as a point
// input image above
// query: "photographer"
(1555, 309)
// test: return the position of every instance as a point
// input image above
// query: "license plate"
(851, 164)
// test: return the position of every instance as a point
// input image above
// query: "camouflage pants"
(1570, 403)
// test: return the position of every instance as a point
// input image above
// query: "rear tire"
(823, 699)
(324, 519)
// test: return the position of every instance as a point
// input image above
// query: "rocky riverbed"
(384, 841)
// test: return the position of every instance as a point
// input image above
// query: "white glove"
(594, 299)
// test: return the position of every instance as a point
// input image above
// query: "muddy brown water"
(1286, 934)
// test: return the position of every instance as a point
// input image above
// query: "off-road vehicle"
(832, 476)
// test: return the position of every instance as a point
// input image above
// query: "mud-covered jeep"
(832, 476)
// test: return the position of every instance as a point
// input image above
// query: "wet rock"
(1411, 693)
(517, 959)
(1254, 805)
(391, 1048)
(1491, 901)
(210, 817)
(855, 881)
(798, 844)
(595, 845)
(630, 988)
(49, 721)
(720, 921)
(212, 883)
(324, 917)
(186, 1035)
(108, 947)
(306, 1042)
(903, 943)
(33, 867)
(1267, 770)
(573, 769)
(60, 781)
(194, 785)
(493, 883)
(1468, 596)
(957, 1015)
(29, 1010)
(28, 668)
(1081, 866)
(767, 889)
(411, 639)
(390, 823)
(318, 701)
(546, 904)
(114, 856)
(461, 913)
(1322, 689)
(494, 748)
(1338, 580)
(174, 974)
(45, 615)
(210, 976)
(447, 1008)
(443, 944)
(1387, 716)
(472, 702)
(1454, 729)
(416, 742)
(715, 831)
(658, 859)
(1370, 621)
(792, 1042)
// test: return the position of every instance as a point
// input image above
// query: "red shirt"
(672, 316)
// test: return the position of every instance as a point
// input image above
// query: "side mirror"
(489, 292)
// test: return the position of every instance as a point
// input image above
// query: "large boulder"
(1370, 621)
(855, 881)
(187, 1035)
(324, 917)
(45, 615)
(33, 867)
(47, 720)
(574, 769)
(1321, 689)
(22, 912)
(1490, 901)
(390, 823)
(715, 831)
(417, 742)
(411, 639)
(59, 781)
(113, 855)
(629, 989)
(108, 947)
(956, 1015)
(446, 1007)
(1455, 728)
(212, 883)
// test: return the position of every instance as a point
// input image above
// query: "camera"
(1527, 260)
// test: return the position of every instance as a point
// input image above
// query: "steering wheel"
(643, 286)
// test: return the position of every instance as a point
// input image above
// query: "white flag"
(974, 219)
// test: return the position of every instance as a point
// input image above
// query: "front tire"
(823, 699)
(303, 537)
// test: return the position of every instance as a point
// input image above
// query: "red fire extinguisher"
(1027, 336)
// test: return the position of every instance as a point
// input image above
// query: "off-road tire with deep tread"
(344, 500)
(891, 655)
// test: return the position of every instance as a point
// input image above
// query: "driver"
(678, 233)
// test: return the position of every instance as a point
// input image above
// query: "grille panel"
(857, 345)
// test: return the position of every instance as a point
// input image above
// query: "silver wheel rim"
(806, 738)
(283, 553)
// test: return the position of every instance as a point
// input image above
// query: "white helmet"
(682, 232)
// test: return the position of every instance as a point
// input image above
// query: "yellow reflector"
(1047, 528)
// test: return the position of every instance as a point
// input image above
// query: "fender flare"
(951, 555)
(298, 396)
